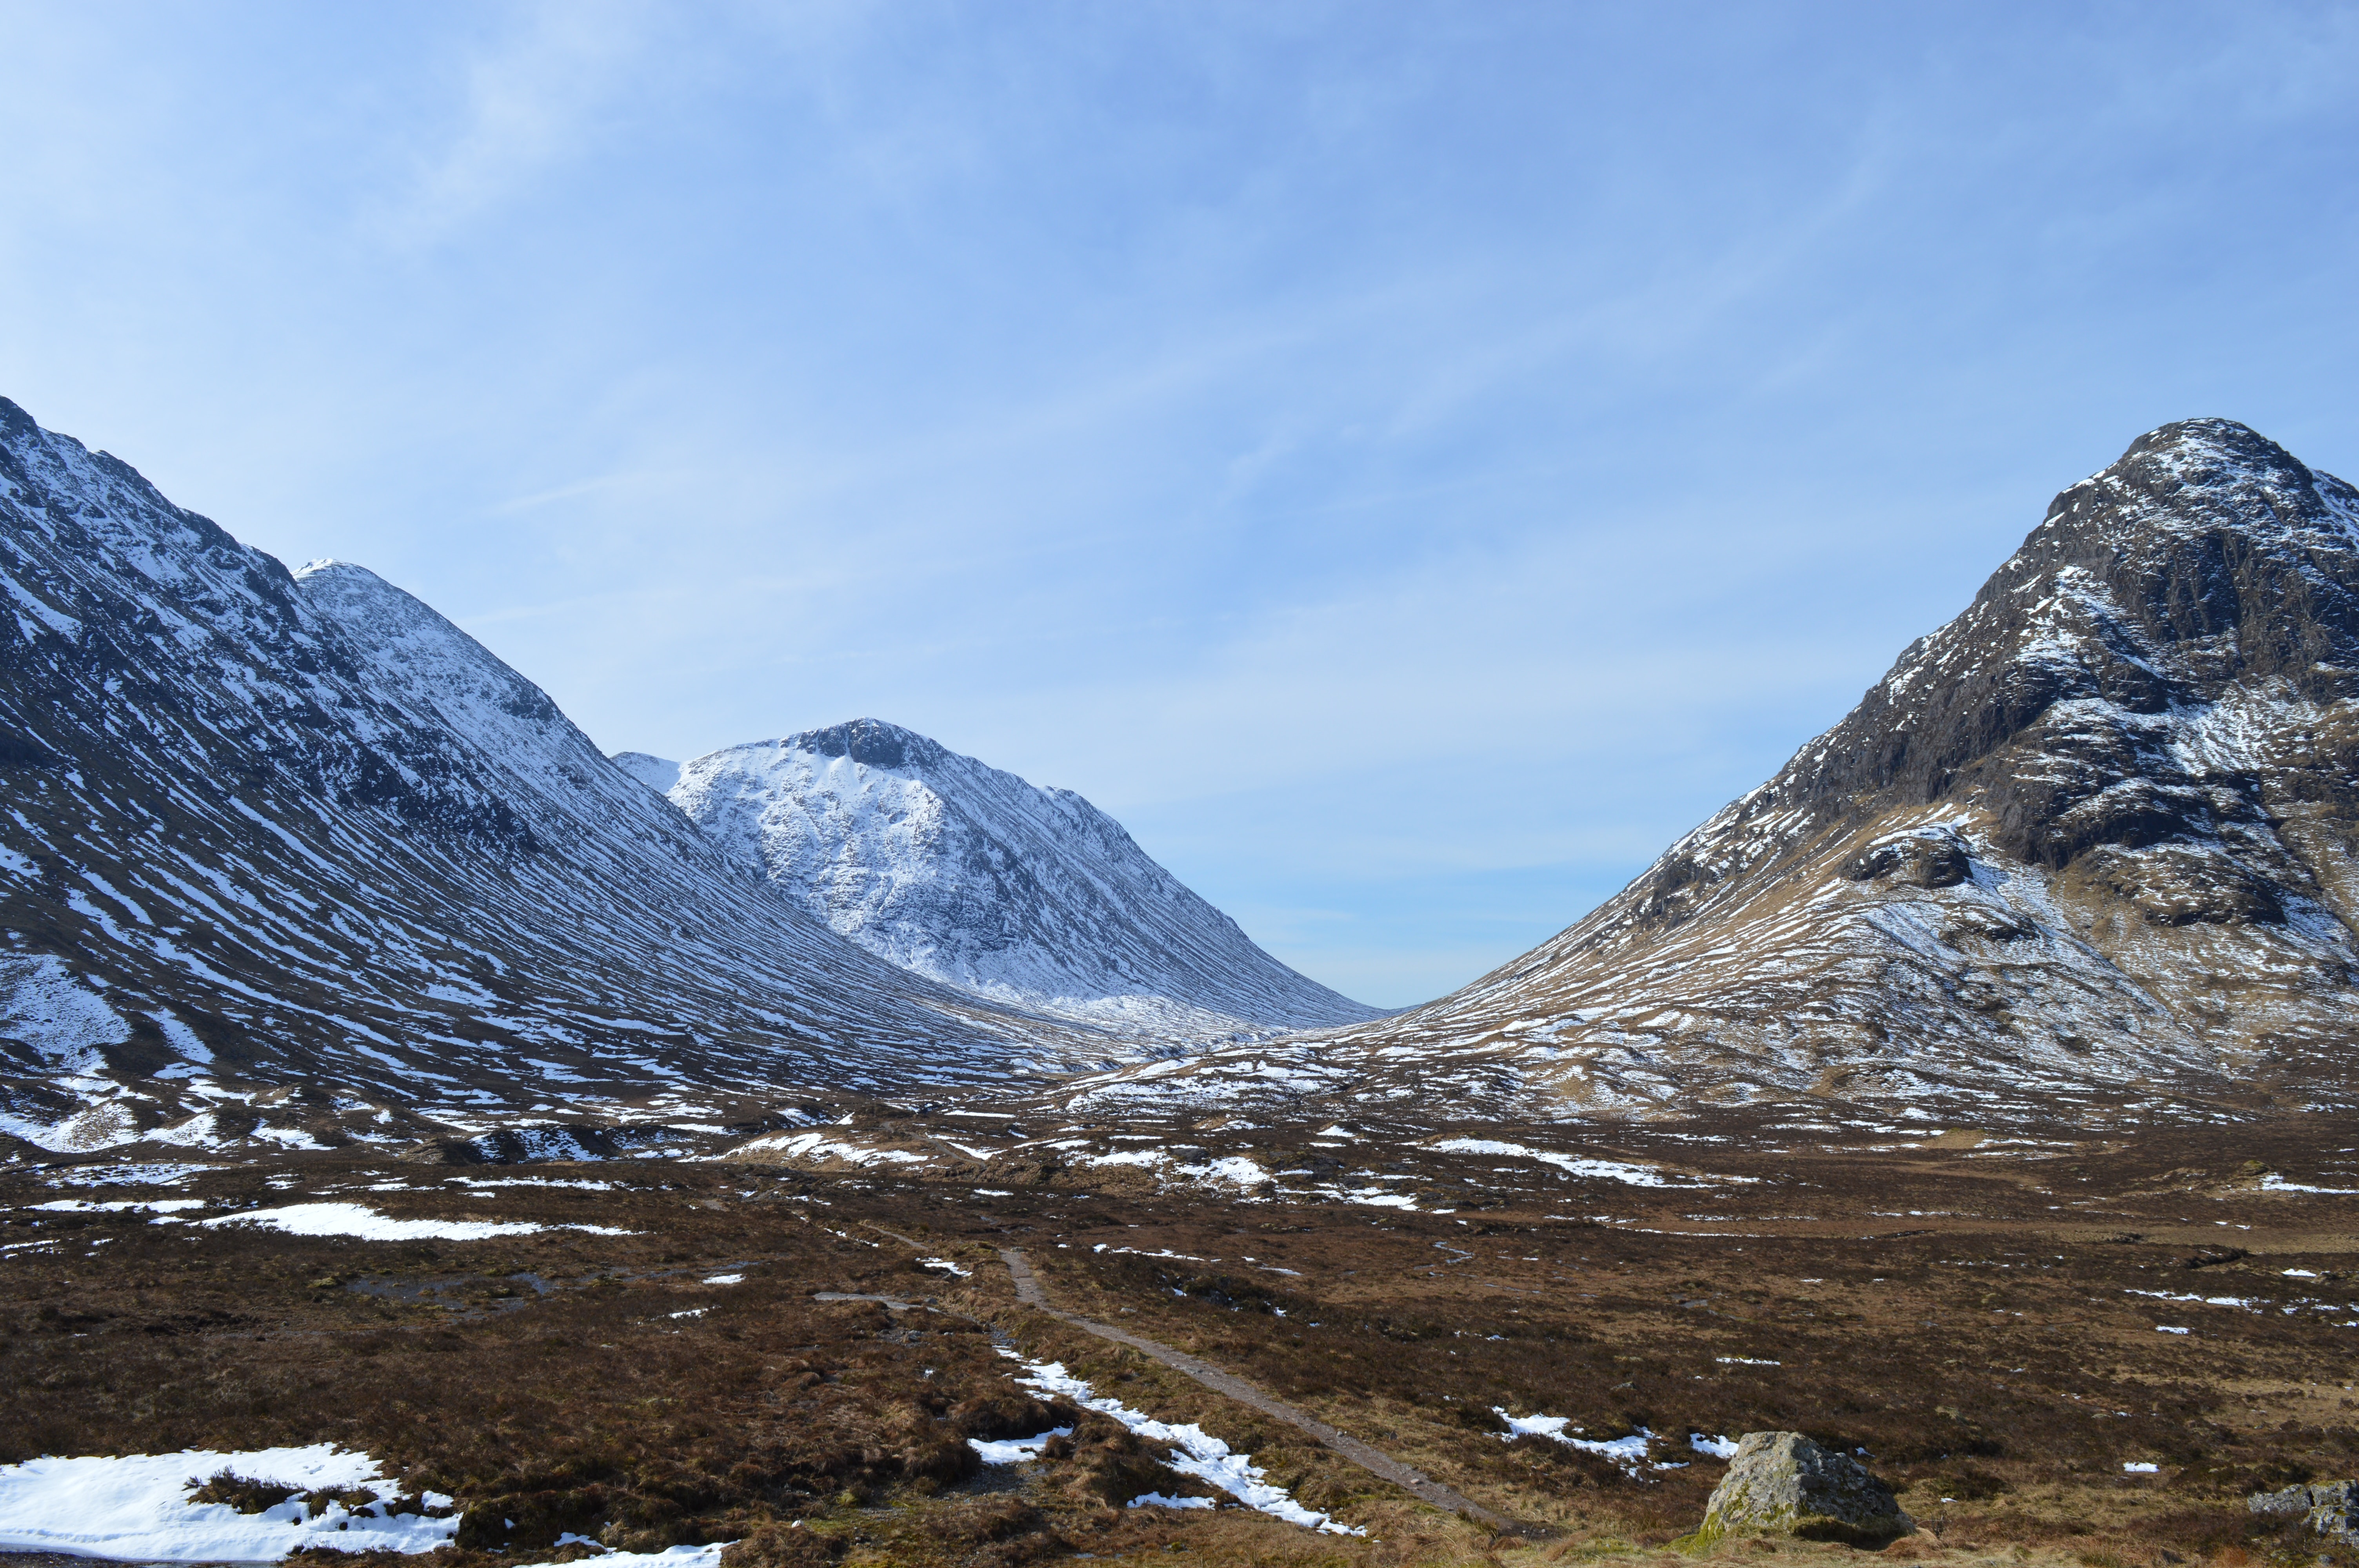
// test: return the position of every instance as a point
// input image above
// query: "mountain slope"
(272, 839)
(2090, 848)
(969, 875)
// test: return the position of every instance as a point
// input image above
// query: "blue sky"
(1408, 462)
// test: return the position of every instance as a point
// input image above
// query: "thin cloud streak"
(568, 493)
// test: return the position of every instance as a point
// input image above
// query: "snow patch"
(1201, 1454)
(671, 1557)
(48, 1007)
(138, 1507)
(1629, 1452)
(352, 1220)
(1014, 1450)
(1603, 1170)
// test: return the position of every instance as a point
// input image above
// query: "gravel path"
(1375, 1461)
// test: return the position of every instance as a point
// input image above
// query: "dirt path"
(1376, 1462)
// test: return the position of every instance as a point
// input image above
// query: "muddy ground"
(1989, 1321)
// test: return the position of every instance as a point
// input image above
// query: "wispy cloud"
(529, 96)
(572, 492)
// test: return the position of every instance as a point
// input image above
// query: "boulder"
(2331, 1508)
(1781, 1483)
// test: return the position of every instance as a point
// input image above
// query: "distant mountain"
(1030, 897)
(657, 774)
(2090, 850)
(293, 857)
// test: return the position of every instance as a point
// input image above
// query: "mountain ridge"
(291, 856)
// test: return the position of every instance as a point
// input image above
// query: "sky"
(1408, 462)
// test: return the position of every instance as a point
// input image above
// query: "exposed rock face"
(2090, 848)
(977, 879)
(1781, 1483)
(301, 830)
(2331, 1507)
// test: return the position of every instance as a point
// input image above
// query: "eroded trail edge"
(1375, 1461)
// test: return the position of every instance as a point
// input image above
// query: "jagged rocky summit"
(289, 857)
(2086, 852)
(973, 877)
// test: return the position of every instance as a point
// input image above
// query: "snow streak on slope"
(2090, 849)
(308, 832)
(1029, 896)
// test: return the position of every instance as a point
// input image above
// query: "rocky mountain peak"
(2206, 561)
(873, 744)
(2204, 454)
(2205, 530)
(2095, 842)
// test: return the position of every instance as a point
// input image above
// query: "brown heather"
(1965, 1316)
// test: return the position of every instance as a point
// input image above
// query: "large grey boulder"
(2332, 1508)
(1781, 1483)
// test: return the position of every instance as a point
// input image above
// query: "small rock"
(1781, 1483)
(2331, 1508)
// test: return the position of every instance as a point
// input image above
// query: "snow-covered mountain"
(293, 856)
(2089, 850)
(657, 773)
(1029, 896)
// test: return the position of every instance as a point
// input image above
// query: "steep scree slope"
(2086, 851)
(973, 877)
(295, 856)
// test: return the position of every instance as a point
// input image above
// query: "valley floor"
(2057, 1347)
